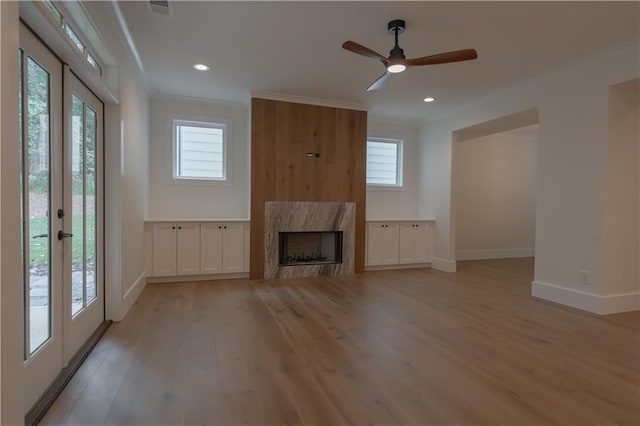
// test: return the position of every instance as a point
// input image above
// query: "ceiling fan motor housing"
(396, 53)
(396, 24)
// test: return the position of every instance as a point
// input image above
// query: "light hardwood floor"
(392, 347)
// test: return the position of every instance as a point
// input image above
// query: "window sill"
(378, 188)
(198, 182)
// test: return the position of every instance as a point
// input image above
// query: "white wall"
(171, 200)
(215, 200)
(495, 195)
(621, 251)
(393, 203)
(11, 324)
(573, 114)
(126, 169)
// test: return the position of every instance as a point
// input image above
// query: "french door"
(82, 182)
(61, 187)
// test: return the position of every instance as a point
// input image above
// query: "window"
(73, 37)
(200, 150)
(384, 162)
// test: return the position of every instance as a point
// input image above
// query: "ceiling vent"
(161, 7)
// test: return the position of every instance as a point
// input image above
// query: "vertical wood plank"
(282, 133)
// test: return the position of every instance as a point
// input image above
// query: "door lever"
(62, 235)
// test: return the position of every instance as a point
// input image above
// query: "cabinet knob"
(219, 227)
(179, 227)
(225, 227)
(173, 227)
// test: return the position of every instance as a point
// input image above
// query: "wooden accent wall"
(281, 134)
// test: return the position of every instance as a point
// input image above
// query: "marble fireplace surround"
(306, 216)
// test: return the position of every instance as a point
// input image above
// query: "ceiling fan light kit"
(396, 68)
(398, 62)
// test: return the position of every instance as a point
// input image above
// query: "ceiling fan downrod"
(396, 27)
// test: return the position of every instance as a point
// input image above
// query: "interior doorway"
(494, 188)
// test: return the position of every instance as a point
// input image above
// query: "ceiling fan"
(397, 62)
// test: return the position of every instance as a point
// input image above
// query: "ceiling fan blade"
(444, 58)
(354, 47)
(380, 82)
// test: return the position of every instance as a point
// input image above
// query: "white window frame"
(399, 185)
(223, 124)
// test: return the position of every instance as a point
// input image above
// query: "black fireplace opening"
(309, 248)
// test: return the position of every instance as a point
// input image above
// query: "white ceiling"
(294, 48)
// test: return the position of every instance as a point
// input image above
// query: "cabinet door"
(375, 234)
(406, 245)
(233, 247)
(391, 243)
(188, 249)
(211, 248)
(164, 249)
(422, 243)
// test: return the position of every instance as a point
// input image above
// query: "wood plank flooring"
(417, 347)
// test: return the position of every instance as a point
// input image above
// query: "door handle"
(62, 235)
(41, 236)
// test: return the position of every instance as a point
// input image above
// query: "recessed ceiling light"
(429, 99)
(201, 67)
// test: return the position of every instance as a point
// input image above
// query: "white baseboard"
(601, 305)
(443, 265)
(397, 266)
(131, 295)
(190, 278)
(616, 303)
(494, 253)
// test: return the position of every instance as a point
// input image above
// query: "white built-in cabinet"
(187, 249)
(382, 243)
(176, 249)
(399, 243)
(164, 253)
(415, 242)
(198, 248)
(222, 248)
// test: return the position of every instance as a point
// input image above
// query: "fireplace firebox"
(309, 248)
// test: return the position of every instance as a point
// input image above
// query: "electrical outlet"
(585, 277)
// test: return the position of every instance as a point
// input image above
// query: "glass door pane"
(83, 211)
(91, 176)
(77, 206)
(36, 207)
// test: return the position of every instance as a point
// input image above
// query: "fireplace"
(309, 248)
(308, 238)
